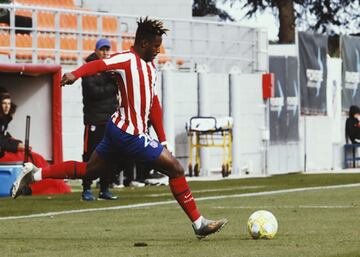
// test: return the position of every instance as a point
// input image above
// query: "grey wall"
(249, 113)
(33, 96)
(285, 158)
(220, 106)
(72, 115)
(185, 106)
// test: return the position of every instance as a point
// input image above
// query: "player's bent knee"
(178, 170)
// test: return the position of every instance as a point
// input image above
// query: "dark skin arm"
(67, 79)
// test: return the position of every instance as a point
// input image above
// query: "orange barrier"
(4, 42)
(126, 44)
(113, 43)
(89, 43)
(25, 13)
(67, 4)
(162, 58)
(110, 24)
(46, 42)
(180, 61)
(68, 43)
(5, 39)
(23, 41)
(46, 20)
(68, 21)
(89, 23)
(128, 40)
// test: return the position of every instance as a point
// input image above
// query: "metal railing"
(189, 42)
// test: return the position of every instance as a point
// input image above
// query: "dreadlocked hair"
(148, 29)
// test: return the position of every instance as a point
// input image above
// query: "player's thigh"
(166, 163)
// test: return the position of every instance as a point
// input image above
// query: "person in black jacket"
(7, 142)
(352, 126)
(100, 93)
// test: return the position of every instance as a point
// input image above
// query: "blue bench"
(350, 155)
(8, 174)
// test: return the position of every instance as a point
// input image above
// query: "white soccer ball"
(262, 225)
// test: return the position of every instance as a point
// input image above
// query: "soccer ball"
(262, 225)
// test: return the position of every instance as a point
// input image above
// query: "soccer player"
(125, 134)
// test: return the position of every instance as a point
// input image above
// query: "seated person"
(13, 150)
(7, 142)
(352, 125)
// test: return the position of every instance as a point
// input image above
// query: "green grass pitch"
(321, 222)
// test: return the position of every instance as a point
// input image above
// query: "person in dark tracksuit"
(352, 126)
(7, 110)
(100, 93)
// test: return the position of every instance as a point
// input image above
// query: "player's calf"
(31, 173)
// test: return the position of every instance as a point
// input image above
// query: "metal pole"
(34, 36)
(168, 104)
(236, 115)
(57, 37)
(80, 39)
(204, 110)
(12, 35)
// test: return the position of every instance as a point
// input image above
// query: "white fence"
(193, 42)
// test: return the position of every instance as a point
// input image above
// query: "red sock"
(181, 191)
(69, 169)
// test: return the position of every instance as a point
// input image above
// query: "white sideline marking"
(209, 190)
(193, 191)
(290, 207)
(140, 205)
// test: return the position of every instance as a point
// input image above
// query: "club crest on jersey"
(149, 141)
(154, 144)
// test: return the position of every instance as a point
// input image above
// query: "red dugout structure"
(35, 88)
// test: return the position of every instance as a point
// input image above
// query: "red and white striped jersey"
(137, 88)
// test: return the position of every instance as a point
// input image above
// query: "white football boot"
(25, 178)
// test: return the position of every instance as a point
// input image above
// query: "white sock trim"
(197, 223)
(38, 175)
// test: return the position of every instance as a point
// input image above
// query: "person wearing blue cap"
(102, 48)
(99, 101)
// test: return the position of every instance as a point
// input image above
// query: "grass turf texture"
(313, 223)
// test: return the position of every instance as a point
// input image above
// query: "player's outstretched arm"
(117, 61)
(67, 79)
(87, 69)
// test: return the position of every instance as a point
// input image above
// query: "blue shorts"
(117, 144)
